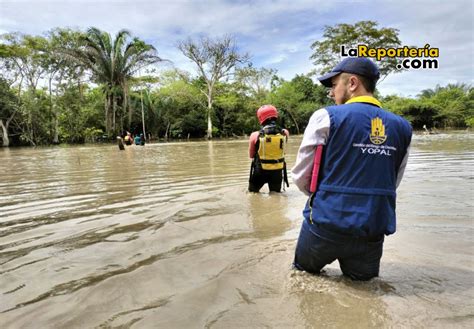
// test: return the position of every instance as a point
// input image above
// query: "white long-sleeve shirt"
(317, 133)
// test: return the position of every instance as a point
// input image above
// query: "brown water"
(166, 236)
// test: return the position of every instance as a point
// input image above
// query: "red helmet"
(265, 112)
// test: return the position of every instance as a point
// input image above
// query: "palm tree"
(112, 64)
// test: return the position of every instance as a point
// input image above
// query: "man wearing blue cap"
(363, 159)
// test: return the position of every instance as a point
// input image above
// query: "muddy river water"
(166, 236)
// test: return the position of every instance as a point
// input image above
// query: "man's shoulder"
(254, 135)
(321, 112)
(363, 109)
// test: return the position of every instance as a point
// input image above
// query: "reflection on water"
(266, 214)
(166, 236)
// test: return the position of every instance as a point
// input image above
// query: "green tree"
(23, 58)
(9, 105)
(232, 106)
(141, 99)
(420, 113)
(312, 92)
(287, 99)
(327, 53)
(113, 63)
(455, 103)
(448, 106)
(256, 80)
(297, 100)
(79, 116)
(180, 105)
(60, 72)
(215, 60)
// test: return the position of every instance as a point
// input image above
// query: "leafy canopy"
(327, 53)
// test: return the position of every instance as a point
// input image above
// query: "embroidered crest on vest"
(377, 134)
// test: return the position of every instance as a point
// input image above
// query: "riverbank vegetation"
(70, 86)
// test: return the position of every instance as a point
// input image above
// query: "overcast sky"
(277, 34)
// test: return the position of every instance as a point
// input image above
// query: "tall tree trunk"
(54, 114)
(50, 79)
(126, 106)
(29, 124)
(295, 122)
(114, 110)
(130, 110)
(106, 108)
(209, 120)
(167, 129)
(56, 129)
(56, 121)
(81, 90)
(6, 140)
(4, 126)
(143, 115)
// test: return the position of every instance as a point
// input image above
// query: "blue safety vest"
(356, 192)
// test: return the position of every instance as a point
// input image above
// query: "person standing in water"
(267, 151)
(128, 140)
(364, 154)
(136, 140)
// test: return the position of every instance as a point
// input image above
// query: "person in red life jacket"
(364, 154)
(267, 151)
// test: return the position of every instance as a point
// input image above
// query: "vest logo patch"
(377, 133)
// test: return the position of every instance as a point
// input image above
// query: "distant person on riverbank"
(363, 160)
(267, 151)
(142, 140)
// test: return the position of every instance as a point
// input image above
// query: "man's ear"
(354, 83)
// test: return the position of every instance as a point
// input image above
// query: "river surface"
(166, 236)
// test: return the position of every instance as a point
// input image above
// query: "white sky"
(277, 34)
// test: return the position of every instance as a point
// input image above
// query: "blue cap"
(355, 65)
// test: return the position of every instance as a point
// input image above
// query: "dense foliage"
(74, 87)
(327, 51)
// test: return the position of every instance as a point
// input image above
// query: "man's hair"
(369, 84)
